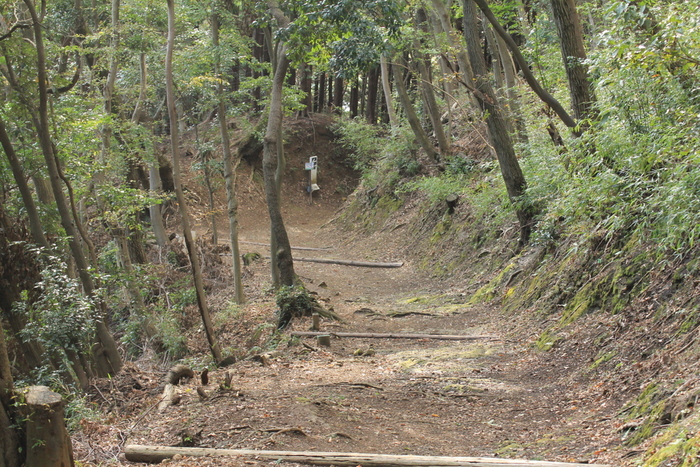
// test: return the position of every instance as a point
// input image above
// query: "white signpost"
(312, 167)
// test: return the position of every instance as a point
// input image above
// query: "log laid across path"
(375, 335)
(155, 454)
(343, 262)
(323, 248)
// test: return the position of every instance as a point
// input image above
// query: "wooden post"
(48, 443)
(315, 320)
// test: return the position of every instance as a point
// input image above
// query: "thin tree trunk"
(423, 64)
(574, 55)
(229, 176)
(462, 56)
(155, 185)
(507, 160)
(322, 92)
(9, 440)
(525, 68)
(182, 201)
(35, 225)
(106, 340)
(386, 86)
(512, 90)
(448, 85)
(306, 83)
(338, 92)
(411, 115)
(372, 92)
(272, 162)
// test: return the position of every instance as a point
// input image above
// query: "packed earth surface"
(491, 395)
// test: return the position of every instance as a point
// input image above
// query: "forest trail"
(489, 397)
(484, 398)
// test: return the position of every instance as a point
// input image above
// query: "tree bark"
(361, 264)
(321, 95)
(372, 93)
(512, 90)
(424, 68)
(378, 335)
(465, 67)
(306, 82)
(507, 160)
(110, 352)
(338, 92)
(155, 454)
(35, 225)
(354, 100)
(9, 440)
(411, 116)
(229, 176)
(546, 97)
(271, 148)
(386, 87)
(574, 54)
(182, 201)
(48, 443)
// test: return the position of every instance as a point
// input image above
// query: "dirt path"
(490, 397)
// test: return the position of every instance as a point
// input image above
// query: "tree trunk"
(41, 123)
(386, 87)
(155, 454)
(272, 148)
(574, 54)
(338, 92)
(424, 68)
(230, 178)
(448, 86)
(354, 100)
(35, 225)
(182, 201)
(510, 168)
(465, 68)
(48, 443)
(321, 96)
(411, 115)
(372, 92)
(154, 184)
(524, 67)
(512, 90)
(9, 440)
(306, 82)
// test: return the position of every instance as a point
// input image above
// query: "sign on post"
(312, 167)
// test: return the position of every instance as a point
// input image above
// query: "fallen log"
(342, 262)
(375, 335)
(306, 248)
(155, 454)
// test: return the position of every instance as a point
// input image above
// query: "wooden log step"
(155, 454)
(375, 335)
(360, 264)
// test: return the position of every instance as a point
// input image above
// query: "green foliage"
(169, 331)
(61, 317)
(294, 301)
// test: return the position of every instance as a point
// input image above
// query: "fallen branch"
(155, 454)
(374, 335)
(342, 262)
(306, 248)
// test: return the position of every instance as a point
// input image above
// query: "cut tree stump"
(48, 443)
(155, 454)
(374, 335)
